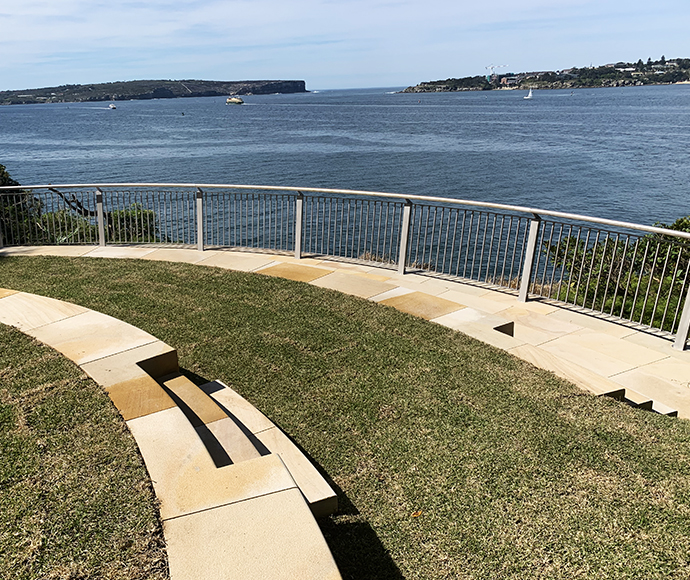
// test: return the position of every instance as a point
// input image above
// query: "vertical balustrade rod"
(100, 217)
(529, 258)
(299, 217)
(404, 235)
(199, 220)
(684, 326)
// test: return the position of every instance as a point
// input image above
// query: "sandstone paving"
(90, 335)
(66, 251)
(139, 397)
(272, 536)
(422, 305)
(242, 262)
(29, 311)
(296, 272)
(674, 393)
(354, 284)
(184, 475)
(477, 301)
(393, 293)
(158, 358)
(180, 255)
(120, 252)
(321, 498)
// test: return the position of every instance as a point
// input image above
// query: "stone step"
(225, 440)
(320, 496)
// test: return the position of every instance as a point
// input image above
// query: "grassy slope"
(75, 498)
(455, 459)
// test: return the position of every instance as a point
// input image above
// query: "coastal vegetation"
(452, 459)
(618, 74)
(147, 89)
(621, 276)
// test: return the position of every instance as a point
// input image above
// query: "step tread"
(318, 493)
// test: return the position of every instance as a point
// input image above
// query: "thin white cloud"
(405, 39)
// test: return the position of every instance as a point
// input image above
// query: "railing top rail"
(278, 188)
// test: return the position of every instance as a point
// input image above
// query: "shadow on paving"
(356, 548)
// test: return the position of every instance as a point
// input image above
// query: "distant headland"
(152, 89)
(620, 74)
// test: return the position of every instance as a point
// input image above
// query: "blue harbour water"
(616, 153)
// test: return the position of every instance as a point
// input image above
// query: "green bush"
(642, 281)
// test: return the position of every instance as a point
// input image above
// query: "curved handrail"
(279, 188)
(544, 256)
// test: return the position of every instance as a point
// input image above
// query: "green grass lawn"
(453, 459)
(75, 499)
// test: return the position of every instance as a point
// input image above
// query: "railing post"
(199, 220)
(100, 217)
(529, 258)
(404, 236)
(684, 326)
(299, 218)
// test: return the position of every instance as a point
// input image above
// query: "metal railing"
(630, 272)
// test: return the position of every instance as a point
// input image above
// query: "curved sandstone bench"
(235, 493)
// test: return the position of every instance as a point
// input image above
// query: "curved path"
(237, 497)
(603, 356)
(600, 355)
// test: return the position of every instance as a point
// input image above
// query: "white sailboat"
(529, 95)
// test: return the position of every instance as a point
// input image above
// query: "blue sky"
(328, 43)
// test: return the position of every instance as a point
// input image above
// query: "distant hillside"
(152, 89)
(618, 74)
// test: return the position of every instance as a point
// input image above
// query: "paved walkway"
(602, 356)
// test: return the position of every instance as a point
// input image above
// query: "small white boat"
(234, 101)
(112, 106)
(529, 95)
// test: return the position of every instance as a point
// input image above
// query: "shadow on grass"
(356, 548)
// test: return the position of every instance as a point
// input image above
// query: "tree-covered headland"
(619, 74)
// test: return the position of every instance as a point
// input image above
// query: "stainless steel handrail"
(423, 198)
(604, 270)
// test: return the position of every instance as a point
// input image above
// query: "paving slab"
(585, 320)
(237, 261)
(120, 252)
(395, 292)
(124, 366)
(671, 393)
(204, 408)
(422, 305)
(271, 537)
(478, 302)
(231, 438)
(184, 475)
(67, 251)
(456, 320)
(575, 373)
(295, 272)
(660, 344)
(481, 331)
(321, 498)
(139, 397)
(234, 403)
(30, 311)
(179, 255)
(354, 284)
(89, 336)
(6, 292)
